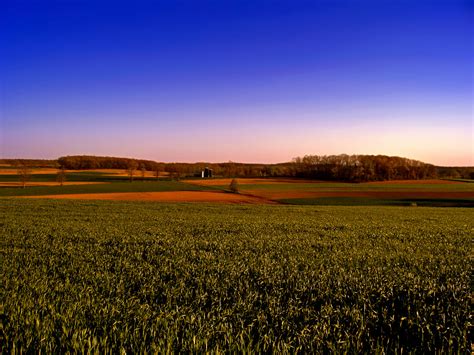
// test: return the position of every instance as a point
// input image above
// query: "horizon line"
(236, 162)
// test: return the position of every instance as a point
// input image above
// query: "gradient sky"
(251, 81)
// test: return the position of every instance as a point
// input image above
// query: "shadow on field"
(348, 201)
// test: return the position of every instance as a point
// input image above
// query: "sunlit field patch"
(163, 196)
(48, 183)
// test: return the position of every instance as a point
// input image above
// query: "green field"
(136, 186)
(70, 176)
(135, 276)
(366, 201)
(90, 176)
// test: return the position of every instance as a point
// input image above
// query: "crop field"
(164, 196)
(108, 276)
(403, 193)
(108, 184)
(116, 187)
(73, 176)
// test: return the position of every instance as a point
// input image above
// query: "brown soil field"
(415, 182)
(33, 171)
(137, 175)
(277, 195)
(168, 196)
(248, 181)
(106, 172)
(119, 172)
(49, 183)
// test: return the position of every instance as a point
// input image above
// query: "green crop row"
(135, 277)
(136, 186)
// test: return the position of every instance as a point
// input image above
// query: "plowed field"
(168, 196)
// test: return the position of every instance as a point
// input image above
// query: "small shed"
(206, 173)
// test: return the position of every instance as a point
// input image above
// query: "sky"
(239, 80)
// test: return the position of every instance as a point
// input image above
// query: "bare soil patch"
(120, 172)
(106, 172)
(49, 183)
(248, 181)
(137, 175)
(168, 196)
(33, 171)
(278, 195)
(414, 182)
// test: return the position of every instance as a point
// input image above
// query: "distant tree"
(234, 186)
(267, 170)
(230, 169)
(24, 172)
(157, 173)
(61, 176)
(171, 169)
(131, 167)
(143, 171)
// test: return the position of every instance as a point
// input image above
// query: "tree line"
(81, 162)
(33, 163)
(360, 168)
(343, 167)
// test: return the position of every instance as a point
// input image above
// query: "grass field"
(136, 186)
(75, 176)
(133, 276)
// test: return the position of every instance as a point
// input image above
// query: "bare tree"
(131, 167)
(157, 173)
(24, 172)
(61, 176)
(234, 186)
(143, 171)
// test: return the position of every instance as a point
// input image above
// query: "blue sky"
(254, 81)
